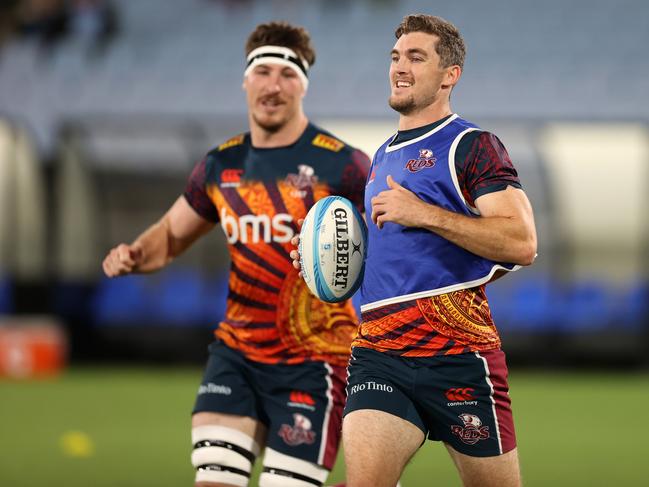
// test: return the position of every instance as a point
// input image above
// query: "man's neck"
(431, 113)
(287, 135)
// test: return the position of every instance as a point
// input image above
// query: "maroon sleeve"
(484, 167)
(352, 185)
(196, 195)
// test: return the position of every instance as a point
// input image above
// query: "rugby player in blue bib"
(448, 215)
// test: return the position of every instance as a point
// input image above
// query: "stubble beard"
(409, 105)
(271, 127)
(404, 106)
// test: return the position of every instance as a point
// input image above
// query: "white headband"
(278, 55)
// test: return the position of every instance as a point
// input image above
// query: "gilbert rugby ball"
(333, 241)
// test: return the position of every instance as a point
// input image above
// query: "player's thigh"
(377, 447)
(303, 404)
(225, 387)
(497, 471)
(227, 434)
(382, 426)
(244, 424)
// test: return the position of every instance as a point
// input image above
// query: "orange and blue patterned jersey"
(258, 195)
(445, 324)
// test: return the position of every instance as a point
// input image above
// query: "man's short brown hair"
(285, 35)
(450, 45)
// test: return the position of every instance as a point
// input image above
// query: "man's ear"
(451, 76)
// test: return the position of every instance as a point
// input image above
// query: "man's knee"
(282, 470)
(496, 471)
(222, 455)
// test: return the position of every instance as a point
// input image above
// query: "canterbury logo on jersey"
(257, 228)
(231, 178)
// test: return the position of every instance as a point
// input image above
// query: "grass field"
(123, 427)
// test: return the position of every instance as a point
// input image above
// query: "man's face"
(274, 93)
(416, 77)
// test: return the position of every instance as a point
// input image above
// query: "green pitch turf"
(123, 427)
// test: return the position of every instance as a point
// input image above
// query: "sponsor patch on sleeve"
(327, 142)
(238, 140)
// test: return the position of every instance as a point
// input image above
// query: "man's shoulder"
(230, 148)
(478, 139)
(323, 140)
(463, 123)
(235, 141)
(330, 150)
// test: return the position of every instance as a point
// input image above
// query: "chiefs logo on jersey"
(302, 181)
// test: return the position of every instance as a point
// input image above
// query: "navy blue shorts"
(462, 400)
(301, 405)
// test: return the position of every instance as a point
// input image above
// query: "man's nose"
(273, 85)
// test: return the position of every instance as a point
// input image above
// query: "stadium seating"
(6, 300)
(527, 304)
(176, 297)
(631, 309)
(533, 61)
(180, 296)
(122, 301)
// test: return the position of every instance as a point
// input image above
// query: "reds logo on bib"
(425, 159)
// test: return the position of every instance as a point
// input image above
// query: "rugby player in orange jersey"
(275, 376)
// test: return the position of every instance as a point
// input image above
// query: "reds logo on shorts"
(473, 431)
(299, 433)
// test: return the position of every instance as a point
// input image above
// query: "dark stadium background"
(105, 109)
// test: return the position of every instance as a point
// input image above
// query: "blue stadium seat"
(631, 311)
(175, 297)
(125, 300)
(526, 305)
(6, 295)
(180, 296)
(587, 306)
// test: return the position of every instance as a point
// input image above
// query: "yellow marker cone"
(76, 444)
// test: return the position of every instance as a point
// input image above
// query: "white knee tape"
(285, 471)
(223, 455)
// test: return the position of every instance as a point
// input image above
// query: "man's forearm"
(498, 238)
(154, 244)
